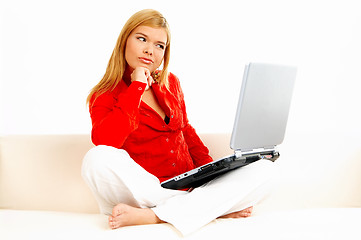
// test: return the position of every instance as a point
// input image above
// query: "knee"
(101, 159)
(269, 171)
(266, 166)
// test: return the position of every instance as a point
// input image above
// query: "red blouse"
(120, 119)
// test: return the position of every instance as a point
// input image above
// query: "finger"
(146, 72)
(150, 80)
(146, 87)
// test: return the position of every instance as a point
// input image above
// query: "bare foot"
(243, 213)
(125, 215)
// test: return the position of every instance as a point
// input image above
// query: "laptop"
(259, 126)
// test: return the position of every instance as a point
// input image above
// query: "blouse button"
(167, 139)
(173, 164)
(171, 116)
(171, 151)
(140, 88)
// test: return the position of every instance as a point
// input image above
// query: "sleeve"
(198, 151)
(115, 117)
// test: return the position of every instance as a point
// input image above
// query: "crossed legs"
(132, 196)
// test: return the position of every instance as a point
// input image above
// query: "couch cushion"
(341, 223)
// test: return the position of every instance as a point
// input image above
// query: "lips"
(146, 60)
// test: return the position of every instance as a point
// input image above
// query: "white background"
(54, 52)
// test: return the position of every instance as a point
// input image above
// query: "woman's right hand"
(142, 74)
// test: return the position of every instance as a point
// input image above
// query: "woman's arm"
(198, 151)
(114, 117)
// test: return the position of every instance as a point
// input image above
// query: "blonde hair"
(117, 63)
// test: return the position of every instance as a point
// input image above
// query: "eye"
(161, 46)
(141, 39)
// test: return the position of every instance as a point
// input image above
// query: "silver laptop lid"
(263, 106)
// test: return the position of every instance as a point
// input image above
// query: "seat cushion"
(327, 223)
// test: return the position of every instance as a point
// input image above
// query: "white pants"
(116, 178)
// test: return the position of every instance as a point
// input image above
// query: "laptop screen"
(263, 106)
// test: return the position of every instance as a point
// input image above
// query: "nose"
(148, 50)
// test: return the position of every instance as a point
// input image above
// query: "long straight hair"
(117, 63)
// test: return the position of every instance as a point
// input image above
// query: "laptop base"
(208, 172)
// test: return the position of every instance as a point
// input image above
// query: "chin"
(150, 68)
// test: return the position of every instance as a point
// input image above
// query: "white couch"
(42, 195)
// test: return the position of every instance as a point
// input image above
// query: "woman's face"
(145, 47)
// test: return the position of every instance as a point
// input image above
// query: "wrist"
(141, 86)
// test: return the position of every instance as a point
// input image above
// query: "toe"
(111, 224)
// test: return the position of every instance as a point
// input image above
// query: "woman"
(142, 137)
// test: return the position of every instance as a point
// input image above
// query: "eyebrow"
(148, 37)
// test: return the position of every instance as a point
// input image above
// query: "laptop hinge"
(238, 154)
(268, 154)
